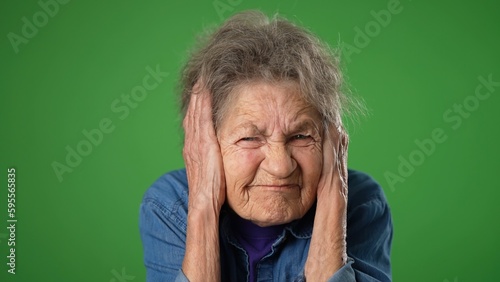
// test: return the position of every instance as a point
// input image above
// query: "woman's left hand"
(327, 252)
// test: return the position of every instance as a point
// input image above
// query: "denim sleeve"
(344, 274)
(369, 240)
(181, 277)
(163, 242)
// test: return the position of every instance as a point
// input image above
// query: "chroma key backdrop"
(89, 119)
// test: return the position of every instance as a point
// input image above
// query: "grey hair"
(250, 47)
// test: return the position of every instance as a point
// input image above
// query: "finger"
(206, 113)
(191, 110)
(343, 147)
(190, 127)
(338, 140)
(202, 111)
(196, 88)
(342, 158)
(328, 150)
(191, 107)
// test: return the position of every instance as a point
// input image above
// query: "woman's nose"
(278, 161)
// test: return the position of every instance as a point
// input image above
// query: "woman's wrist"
(202, 258)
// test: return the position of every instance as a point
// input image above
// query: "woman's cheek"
(308, 157)
(241, 162)
(250, 158)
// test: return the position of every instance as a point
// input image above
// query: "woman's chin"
(270, 215)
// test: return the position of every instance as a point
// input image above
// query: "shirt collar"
(299, 228)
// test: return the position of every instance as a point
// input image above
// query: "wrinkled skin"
(271, 149)
(270, 159)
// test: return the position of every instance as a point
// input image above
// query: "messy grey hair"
(251, 47)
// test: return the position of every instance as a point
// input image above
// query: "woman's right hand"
(207, 192)
(202, 154)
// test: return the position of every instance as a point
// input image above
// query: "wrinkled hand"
(328, 248)
(202, 154)
(333, 181)
(332, 188)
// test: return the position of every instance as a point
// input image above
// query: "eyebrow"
(247, 125)
(302, 125)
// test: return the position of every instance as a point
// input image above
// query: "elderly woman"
(264, 195)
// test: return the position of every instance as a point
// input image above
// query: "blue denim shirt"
(163, 222)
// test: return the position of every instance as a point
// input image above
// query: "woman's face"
(271, 149)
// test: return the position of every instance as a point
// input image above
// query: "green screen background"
(415, 68)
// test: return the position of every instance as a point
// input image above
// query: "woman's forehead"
(263, 96)
(303, 123)
(259, 105)
(288, 119)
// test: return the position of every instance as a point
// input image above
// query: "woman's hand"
(206, 189)
(333, 181)
(327, 252)
(202, 155)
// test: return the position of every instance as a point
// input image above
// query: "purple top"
(257, 241)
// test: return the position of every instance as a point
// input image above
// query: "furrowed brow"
(247, 126)
(305, 125)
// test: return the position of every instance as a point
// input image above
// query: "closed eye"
(250, 142)
(300, 140)
(300, 137)
(249, 139)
